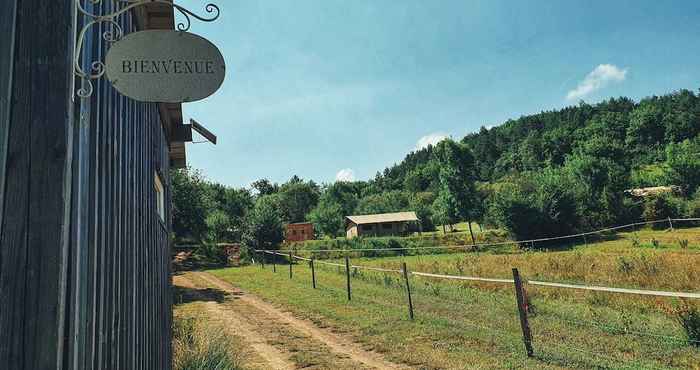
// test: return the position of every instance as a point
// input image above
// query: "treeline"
(546, 174)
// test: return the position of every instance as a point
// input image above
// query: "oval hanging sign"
(165, 66)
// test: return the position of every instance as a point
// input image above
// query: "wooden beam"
(203, 131)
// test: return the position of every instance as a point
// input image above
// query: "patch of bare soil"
(282, 340)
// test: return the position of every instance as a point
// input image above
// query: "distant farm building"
(384, 224)
(654, 190)
(298, 232)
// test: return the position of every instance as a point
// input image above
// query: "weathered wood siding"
(84, 255)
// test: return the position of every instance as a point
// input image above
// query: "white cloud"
(430, 139)
(600, 77)
(346, 174)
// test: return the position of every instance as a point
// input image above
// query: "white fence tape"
(458, 277)
(375, 269)
(531, 282)
(617, 290)
(328, 263)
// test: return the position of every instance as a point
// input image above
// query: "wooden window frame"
(160, 195)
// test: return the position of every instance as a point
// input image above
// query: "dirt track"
(279, 339)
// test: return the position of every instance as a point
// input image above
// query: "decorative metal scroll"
(97, 68)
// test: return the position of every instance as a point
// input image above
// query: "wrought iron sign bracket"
(96, 68)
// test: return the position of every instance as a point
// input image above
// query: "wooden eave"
(159, 16)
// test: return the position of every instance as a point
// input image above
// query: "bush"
(631, 211)
(688, 317)
(662, 206)
(692, 206)
(541, 206)
(418, 242)
(210, 253)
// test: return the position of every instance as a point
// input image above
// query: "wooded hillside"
(545, 174)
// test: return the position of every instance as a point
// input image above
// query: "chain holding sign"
(176, 58)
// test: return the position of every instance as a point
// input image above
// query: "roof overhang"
(382, 218)
(159, 16)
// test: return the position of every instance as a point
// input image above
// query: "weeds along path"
(283, 340)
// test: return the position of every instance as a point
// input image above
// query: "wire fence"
(520, 290)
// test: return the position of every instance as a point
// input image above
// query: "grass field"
(475, 325)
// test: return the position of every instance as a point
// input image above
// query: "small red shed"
(298, 232)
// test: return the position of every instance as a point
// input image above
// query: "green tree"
(327, 217)
(457, 188)
(387, 202)
(219, 227)
(662, 206)
(235, 204)
(443, 211)
(297, 199)
(422, 204)
(536, 205)
(344, 194)
(264, 225)
(265, 187)
(645, 127)
(192, 201)
(683, 163)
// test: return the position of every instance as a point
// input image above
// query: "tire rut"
(305, 344)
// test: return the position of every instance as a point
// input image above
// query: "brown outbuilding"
(298, 232)
(383, 224)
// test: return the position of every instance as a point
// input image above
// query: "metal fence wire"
(520, 286)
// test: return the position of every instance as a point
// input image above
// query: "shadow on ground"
(182, 295)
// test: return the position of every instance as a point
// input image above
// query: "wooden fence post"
(670, 223)
(408, 291)
(522, 309)
(347, 275)
(313, 273)
(274, 261)
(262, 260)
(291, 262)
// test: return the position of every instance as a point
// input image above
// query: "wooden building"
(298, 232)
(383, 224)
(85, 198)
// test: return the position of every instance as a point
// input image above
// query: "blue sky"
(326, 88)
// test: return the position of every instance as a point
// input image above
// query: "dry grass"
(618, 262)
(475, 325)
(198, 345)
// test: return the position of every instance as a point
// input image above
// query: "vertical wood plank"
(7, 49)
(36, 158)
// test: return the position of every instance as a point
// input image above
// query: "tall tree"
(192, 201)
(264, 227)
(327, 217)
(457, 175)
(683, 163)
(265, 187)
(297, 198)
